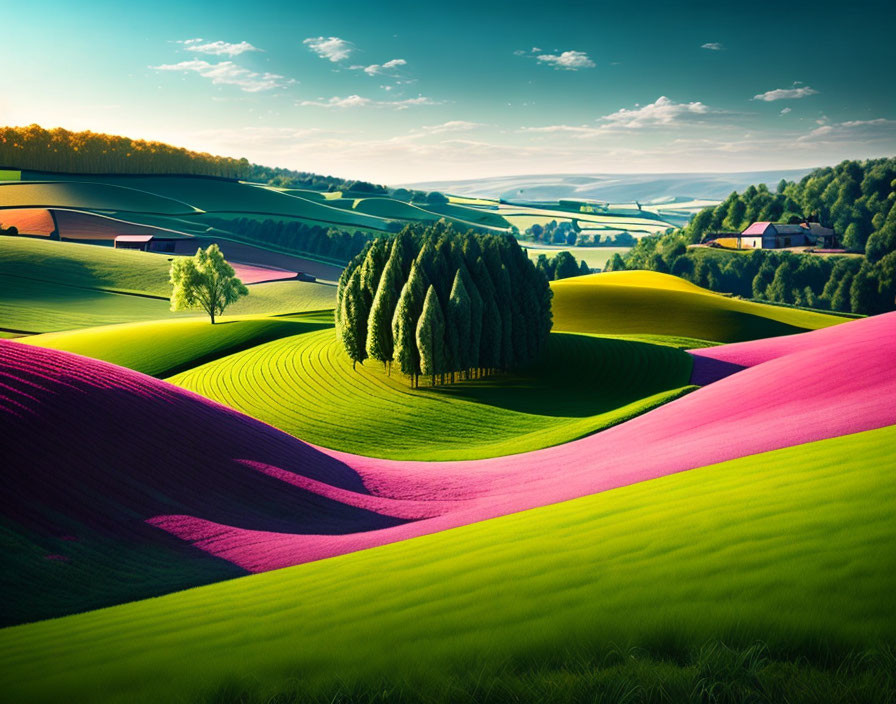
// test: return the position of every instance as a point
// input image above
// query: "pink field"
(78, 225)
(712, 363)
(127, 448)
(256, 274)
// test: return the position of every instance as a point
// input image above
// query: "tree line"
(37, 149)
(289, 178)
(848, 284)
(34, 148)
(854, 198)
(297, 236)
(561, 266)
(438, 303)
(570, 233)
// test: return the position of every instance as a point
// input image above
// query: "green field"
(789, 548)
(180, 202)
(50, 286)
(165, 347)
(88, 195)
(85, 266)
(305, 386)
(636, 302)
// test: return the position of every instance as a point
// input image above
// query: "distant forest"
(853, 197)
(857, 199)
(34, 148)
(297, 236)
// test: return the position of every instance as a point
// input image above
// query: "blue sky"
(397, 92)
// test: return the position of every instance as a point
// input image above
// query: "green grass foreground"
(305, 386)
(791, 548)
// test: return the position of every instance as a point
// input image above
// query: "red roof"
(133, 238)
(757, 228)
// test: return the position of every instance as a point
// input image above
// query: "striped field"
(305, 386)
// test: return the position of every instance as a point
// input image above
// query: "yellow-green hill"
(646, 302)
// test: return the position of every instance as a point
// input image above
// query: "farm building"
(774, 235)
(822, 237)
(146, 243)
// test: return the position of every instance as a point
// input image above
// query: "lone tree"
(205, 281)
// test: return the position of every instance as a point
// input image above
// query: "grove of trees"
(438, 303)
(570, 233)
(561, 266)
(848, 284)
(59, 150)
(37, 149)
(854, 198)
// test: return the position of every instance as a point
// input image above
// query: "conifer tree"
(475, 318)
(459, 323)
(353, 319)
(503, 298)
(492, 335)
(372, 269)
(431, 336)
(404, 322)
(379, 322)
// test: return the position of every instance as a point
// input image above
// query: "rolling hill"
(632, 302)
(783, 547)
(661, 188)
(305, 386)
(48, 286)
(138, 452)
(165, 347)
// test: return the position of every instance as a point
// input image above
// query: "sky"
(398, 92)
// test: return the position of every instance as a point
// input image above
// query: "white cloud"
(356, 101)
(218, 48)
(568, 60)
(228, 73)
(451, 126)
(797, 91)
(375, 69)
(712, 46)
(661, 112)
(580, 130)
(784, 111)
(332, 48)
(877, 130)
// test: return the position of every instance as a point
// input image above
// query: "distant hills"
(615, 188)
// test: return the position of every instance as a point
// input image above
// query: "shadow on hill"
(126, 449)
(580, 376)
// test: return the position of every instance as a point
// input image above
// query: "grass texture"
(85, 266)
(305, 386)
(793, 547)
(633, 302)
(50, 286)
(164, 347)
